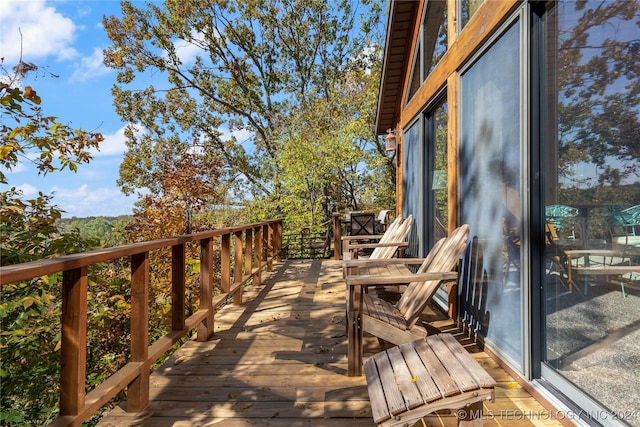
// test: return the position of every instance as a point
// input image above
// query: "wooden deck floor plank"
(280, 360)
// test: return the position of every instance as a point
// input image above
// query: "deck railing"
(250, 248)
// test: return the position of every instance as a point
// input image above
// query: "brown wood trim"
(399, 171)
(452, 22)
(490, 15)
(453, 190)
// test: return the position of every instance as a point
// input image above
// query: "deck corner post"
(278, 241)
(73, 353)
(257, 255)
(138, 390)
(205, 328)
(337, 237)
(178, 266)
(225, 264)
(237, 266)
(269, 245)
(248, 251)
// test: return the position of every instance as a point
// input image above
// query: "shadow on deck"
(280, 360)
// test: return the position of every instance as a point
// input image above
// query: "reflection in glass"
(439, 175)
(490, 194)
(592, 198)
(468, 9)
(435, 34)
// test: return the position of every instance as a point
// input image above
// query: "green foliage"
(107, 231)
(282, 72)
(599, 98)
(26, 130)
(30, 336)
(30, 311)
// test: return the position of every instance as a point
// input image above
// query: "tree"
(258, 66)
(29, 311)
(599, 91)
(28, 230)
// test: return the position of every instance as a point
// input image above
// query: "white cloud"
(113, 144)
(241, 136)
(27, 190)
(187, 51)
(84, 201)
(89, 67)
(45, 32)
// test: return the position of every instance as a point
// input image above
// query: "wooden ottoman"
(412, 380)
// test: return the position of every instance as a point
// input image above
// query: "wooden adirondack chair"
(397, 323)
(387, 244)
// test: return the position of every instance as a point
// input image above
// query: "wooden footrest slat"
(412, 380)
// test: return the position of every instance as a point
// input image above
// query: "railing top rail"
(29, 270)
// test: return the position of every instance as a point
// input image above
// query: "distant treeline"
(105, 231)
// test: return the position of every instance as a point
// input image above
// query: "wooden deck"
(280, 359)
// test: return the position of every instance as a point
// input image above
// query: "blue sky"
(66, 38)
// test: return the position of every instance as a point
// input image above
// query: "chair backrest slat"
(443, 257)
(397, 232)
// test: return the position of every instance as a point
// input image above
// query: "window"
(467, 9)
(490, 171)
(434, 30)
(591, 201)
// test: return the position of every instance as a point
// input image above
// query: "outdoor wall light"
(390, 140)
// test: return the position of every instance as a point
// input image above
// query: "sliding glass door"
(591, 201)
(490, 192)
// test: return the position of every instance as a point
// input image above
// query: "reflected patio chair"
(563, 223)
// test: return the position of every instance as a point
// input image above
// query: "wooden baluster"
(237, 267)
(337, 237)
(248, 252)
(268, 243)
(257, 254)
(225, 264)
(205, 328)
(278, 241)
(73, 352)
(177, 287)
(138, 390)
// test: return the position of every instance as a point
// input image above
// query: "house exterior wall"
(543, 160)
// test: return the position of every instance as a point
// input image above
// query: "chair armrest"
(381, 262)
(397, 279)
(363, 237)
(378, 245)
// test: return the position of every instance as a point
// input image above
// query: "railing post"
(257, 254)
(225, 264)
(248, 251)
(337, 236)
(73, 353)
(268, 241)
(138, 390)
(237, 266)
(205, 328)
(278, 241)
(177, 287)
